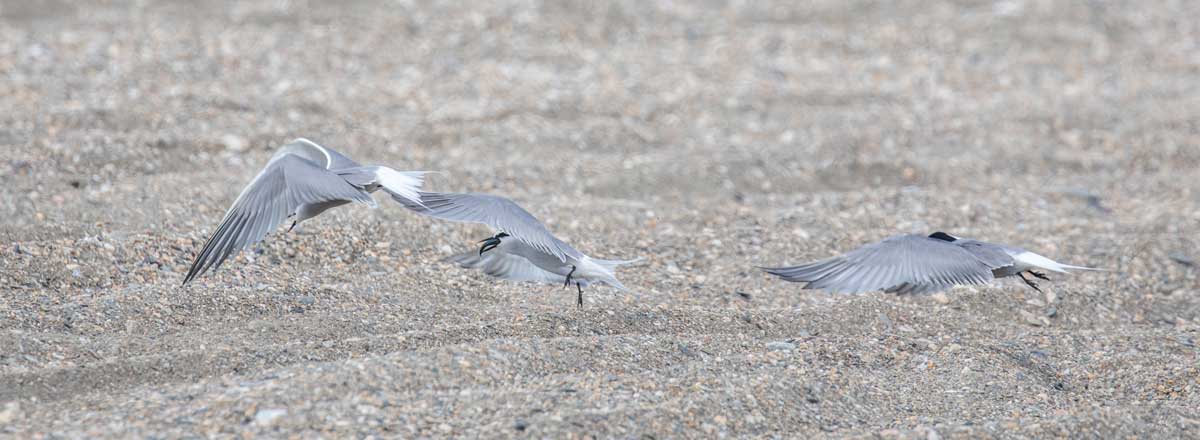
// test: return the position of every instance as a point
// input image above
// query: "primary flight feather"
(918, 264)
(301, 181)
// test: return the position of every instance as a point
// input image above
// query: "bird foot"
(1029, 282)
(1039, 275)
(579, 300)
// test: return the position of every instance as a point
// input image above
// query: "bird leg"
(293, 226)
(1028, 281)
(580, 298)
(568, 281)
(1039, 275)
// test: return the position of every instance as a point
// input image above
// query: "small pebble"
(1031, 318)
(781, 346)
(268, 416)
(1182, 258)
(10, 412)
(233, 142)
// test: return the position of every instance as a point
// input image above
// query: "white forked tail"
(611, 266)
(1034, 260)
(406, 184)
(1093, 269)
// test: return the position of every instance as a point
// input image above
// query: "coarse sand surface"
(707, 137)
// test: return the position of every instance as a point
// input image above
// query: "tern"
(301, 181)
(918, 264)
(522, 249)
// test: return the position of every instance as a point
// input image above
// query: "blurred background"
(706, 136)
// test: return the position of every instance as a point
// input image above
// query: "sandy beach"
(706, 137)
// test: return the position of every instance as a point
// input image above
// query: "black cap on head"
(942, 236)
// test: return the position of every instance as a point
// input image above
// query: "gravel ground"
(707, 137)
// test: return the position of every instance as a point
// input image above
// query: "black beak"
(489, 244)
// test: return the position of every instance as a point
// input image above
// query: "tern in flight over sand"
(916, 264)
(523, 249)
(301, 181)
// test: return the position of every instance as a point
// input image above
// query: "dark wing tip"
(784, 273)
(218, 247)
(770, 270)
(199, 266)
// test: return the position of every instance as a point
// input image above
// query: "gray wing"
(497, 212)
(505, 266)
(991, 254)
(339, 161)
(287, 182)
(905, 264)
(323, 156)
